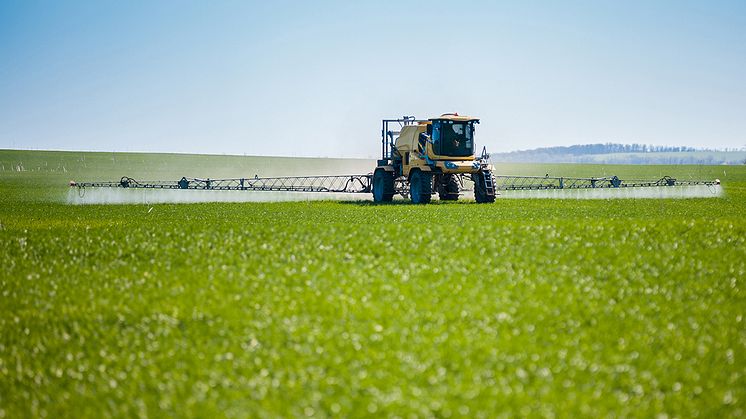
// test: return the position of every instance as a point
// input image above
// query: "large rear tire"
(420, 187)
(383, 186)
(448, 188)
(480, 187)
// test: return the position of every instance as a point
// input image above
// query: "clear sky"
(315, 78)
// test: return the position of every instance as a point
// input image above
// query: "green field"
(525, 307)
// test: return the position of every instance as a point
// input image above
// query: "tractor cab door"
(453, 138)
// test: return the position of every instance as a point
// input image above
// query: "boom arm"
(362, 183)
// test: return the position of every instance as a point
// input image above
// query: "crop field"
(524, 307)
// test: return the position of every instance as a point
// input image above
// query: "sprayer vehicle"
(422, 157)
(419, 158)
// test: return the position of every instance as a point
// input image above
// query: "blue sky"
(316, 78)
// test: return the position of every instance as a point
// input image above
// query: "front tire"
(481, 195)
(420, 187)
(448, 188)
(383, 186)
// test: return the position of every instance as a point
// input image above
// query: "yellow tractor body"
(431, 156)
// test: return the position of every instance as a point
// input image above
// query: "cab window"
(454, 139)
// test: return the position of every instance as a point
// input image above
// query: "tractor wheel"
(420, 187)
(480, 188)
(383, 186)
(448, 188)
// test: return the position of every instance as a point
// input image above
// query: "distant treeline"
(609, 148)
(624, 154)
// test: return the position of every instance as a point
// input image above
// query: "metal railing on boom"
(546, 182)
(335, 183)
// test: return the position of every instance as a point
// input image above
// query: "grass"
(519, 308)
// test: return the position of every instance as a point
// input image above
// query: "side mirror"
(430, 129)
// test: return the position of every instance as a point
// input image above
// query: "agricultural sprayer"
(419, 158)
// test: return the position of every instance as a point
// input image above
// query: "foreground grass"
(524, 307)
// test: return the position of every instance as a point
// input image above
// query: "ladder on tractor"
(489, 184)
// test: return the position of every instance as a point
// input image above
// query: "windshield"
(453, 138)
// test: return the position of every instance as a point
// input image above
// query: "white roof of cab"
(455, 117)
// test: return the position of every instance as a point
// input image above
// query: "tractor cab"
(452, 136)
